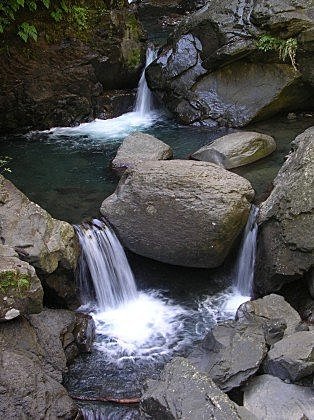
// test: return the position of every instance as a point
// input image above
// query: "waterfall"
(144, 98)
(246, 260)
(104, 261)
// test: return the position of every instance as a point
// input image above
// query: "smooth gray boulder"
(292, 358)
(34, 352)
(184, 393)
(231, 353)
(286, 243)
(39, 239)
(268, 309)
(269, 398)
(179, 212)
(140, 147)
(21, 292)
(240, 148)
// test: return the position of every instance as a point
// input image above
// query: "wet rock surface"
(212, 72)
(60, 79)
(38, 239)
(34, 353)
(240, 148)
(21, 292)
(183, 392)
(179, 212)
(270, 398)
(140, 147)
(292, 358)
(285, 247)
(231, 353)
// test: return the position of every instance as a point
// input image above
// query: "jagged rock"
(61, 290)
(212, 72)
(240, 148)
(42, 241)
(140, 147)
(21, 292)
(179, 212)
(292, 358)
(34, 352)
(269, 309)
(269, 398)
(231, 353)
(60, 79)
(286, 245)
(182, 393)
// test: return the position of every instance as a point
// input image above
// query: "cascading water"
(108, 266)
(246, 261)
(142, 117)
(144, 99)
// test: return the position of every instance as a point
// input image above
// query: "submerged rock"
(184, 393)
(292, 358)
(42, 241)
(270, 398)
(240, 148)
(269, 309)
(34, 353)
(231, 353)
(212, 71)
(140, 147)
(179, 212)
(286, 244)
(21, 292)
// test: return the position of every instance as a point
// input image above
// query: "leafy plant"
(13, 280)
(4, 160)
(285, 47)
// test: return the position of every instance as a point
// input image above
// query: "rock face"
(21, 292)
(179, 212)
(42, 241)
(270, 309)
(286, 244)
(60, 79)
(240, 148)
(231, 353)
(269, 398)
(33, 356)
(140, 147)
(292, 358)
(182, 391)
(212, 72)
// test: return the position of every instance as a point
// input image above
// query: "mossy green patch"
(11, 281)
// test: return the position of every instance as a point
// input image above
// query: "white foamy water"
(147, 327)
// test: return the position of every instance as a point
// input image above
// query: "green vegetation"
(12, 280)
(285, 47)
(11, 10)
(4, 160)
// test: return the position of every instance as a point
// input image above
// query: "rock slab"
(240, 148)
(140, 147)
(179, 212)
(286, 244)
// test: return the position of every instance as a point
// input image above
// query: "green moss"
(11, 281)
(133, 60)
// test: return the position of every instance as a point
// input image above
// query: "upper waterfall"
(104, 259)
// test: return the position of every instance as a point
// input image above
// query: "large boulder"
(286, 244)
(60, 79)
(231, 353)
(240, 148)
(292, 358)
(42, 241)
(212, 71)
(270, 398)
(21, 292)
(140, 147)
(184, 393)
(34, 353)
(269, 309)
(179, 212)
